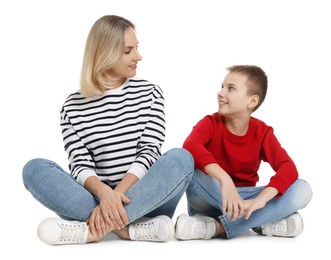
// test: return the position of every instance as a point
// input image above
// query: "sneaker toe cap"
(49, 231)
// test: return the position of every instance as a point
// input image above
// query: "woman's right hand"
(112, 209)
(110, 213)
(97, 225)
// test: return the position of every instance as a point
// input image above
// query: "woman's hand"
(110, 213)
(97, 224)
(111, 205)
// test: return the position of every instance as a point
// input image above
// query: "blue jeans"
(157, 193)
(204, 197)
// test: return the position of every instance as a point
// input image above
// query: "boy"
(228, 146)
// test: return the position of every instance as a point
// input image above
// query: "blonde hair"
(104, 48)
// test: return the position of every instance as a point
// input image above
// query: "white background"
(186, 46)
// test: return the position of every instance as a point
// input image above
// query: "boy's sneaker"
(290, 226)
(195, 227)
(158, 229)
(56, 231)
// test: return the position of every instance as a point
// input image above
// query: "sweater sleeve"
(81, 164)
(151, 140)
(285, 170)
(197, 140)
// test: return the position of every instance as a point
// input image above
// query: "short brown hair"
(257, 80)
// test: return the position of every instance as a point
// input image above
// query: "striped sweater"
(121, 131)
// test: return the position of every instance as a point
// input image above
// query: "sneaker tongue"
(280, 227)
(144, 231)
(73, 234)
(200, 230)
(276, 228)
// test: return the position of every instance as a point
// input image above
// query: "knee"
(180, 154)
(183, 158)
(306, 190)
(303, 193)
(31, 170)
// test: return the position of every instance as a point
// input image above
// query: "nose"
(137, 56)
(220, 93)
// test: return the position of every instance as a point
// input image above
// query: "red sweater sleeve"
(285, 170)
(197, 141)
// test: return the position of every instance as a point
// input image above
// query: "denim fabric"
(204, 197)
(158, 192)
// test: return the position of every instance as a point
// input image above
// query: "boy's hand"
(233, 206)
(260, 201)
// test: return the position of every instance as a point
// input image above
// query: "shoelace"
(200, 230)
(72, 233)
(278, 227)
(145, 231)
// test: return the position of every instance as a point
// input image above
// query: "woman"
(113, 129)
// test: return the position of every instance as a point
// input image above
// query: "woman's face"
(127, 65)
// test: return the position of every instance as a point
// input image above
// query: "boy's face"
(233, 99)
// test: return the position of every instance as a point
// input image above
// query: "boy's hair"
(257, 80)
(104, 48)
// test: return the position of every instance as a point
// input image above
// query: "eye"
(231, 88)
(129, 50)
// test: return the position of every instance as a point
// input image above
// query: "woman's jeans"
(204, 197)
(157, 193)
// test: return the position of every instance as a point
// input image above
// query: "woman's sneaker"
(56, 231)
(290, 226)
(158, 229)
(195, 227)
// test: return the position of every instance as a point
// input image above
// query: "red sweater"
(240, 156)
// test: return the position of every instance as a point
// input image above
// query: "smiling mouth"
(222, 103)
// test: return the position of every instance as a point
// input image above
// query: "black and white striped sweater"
(121, 131)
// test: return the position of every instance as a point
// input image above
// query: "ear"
(254, 101)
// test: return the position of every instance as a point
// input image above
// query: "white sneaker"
(56, 231)
(195, 227)
(158, 229)
(290, 226)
